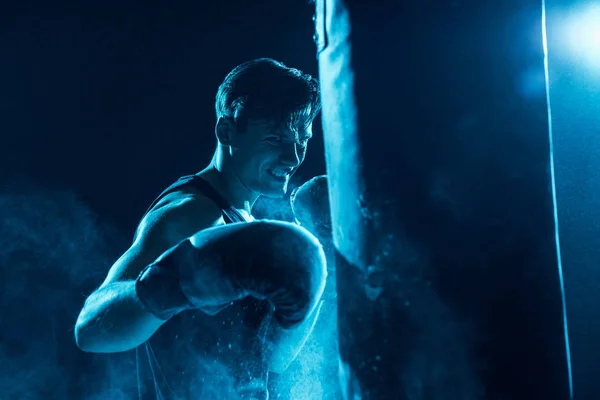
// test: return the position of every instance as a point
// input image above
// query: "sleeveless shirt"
(194, 356)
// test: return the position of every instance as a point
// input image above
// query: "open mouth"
(279, 174)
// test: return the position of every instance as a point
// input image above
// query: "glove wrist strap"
(159, 291)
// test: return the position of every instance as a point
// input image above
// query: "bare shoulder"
(179, 215)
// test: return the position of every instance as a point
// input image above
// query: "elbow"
(88, 327)
(92, 342)
(89, 341)
(80, 339)
(83, 329)
(108, 326)
(83, 338)
(86, 337)
(91, 337)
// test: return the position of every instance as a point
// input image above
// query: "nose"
(290, 155)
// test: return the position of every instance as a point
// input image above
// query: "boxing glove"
(271, 260)
(310, 204)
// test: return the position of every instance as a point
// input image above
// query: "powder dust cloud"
(54, 252)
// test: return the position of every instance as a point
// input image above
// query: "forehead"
(269, 126)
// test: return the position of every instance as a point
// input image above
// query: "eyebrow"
(282, 130)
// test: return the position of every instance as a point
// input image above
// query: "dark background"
(117, 102)
(102, 107)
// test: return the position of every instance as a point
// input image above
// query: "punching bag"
(438, 152)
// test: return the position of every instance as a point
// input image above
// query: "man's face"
(265, 155)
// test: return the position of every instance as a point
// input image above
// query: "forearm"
(124, 314)
(113, 320)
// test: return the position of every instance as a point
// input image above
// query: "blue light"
(579, 34)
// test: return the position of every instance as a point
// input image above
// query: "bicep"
(160, 230)
(134, 260)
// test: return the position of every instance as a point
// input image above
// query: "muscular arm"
(113, 318)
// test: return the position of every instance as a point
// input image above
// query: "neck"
(227, 183)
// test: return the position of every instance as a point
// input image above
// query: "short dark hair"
(269, 90)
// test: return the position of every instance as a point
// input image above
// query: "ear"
(225, 130)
